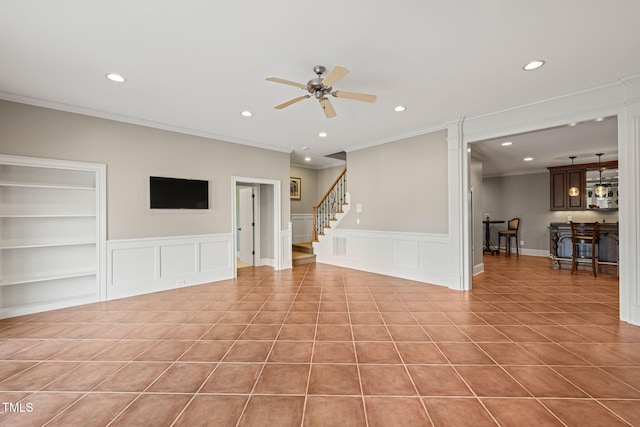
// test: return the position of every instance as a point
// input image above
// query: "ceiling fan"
(319, 87)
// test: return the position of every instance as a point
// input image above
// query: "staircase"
(327, 213)
(302, 253)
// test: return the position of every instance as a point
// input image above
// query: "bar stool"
(511, 232)
(584, 245)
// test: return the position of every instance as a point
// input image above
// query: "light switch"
(358, 207)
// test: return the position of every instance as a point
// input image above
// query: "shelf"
(45, 211)
(28, 245)
(88, 215)
(17, 280)
(46, 186)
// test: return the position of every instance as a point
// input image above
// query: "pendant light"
(573, 190)
(600, 190)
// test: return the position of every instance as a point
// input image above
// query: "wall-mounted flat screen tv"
(177, 193)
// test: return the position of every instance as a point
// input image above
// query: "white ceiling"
(549, 147)
(194, 65)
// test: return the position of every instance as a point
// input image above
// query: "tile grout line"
(197, 392)
(264, 364)
(313, 345)
(404, 365)
(355, 353)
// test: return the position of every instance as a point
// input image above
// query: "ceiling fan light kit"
(319, 87)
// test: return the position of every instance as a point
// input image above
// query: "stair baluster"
(331, 204)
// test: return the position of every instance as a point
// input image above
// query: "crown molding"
(37, 102)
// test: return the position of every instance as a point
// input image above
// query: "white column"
(629, 167)
(458, 188)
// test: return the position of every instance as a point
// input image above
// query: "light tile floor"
(325, 346)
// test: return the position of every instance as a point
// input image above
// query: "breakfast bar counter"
(561, 248)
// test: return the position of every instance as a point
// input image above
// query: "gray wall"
(401, 185)
(266, 219)
(527, 197)
(475, 176)
(132, 153)
(308, 190)
(315, 183)
(326, 177)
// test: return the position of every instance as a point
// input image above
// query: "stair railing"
(330, 204)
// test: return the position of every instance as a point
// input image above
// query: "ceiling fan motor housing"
(317, 88)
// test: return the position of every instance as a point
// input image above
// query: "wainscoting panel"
(132, 264)
(286, 257)
(302, 227)
(178, 260)
(415, 256)
(406, 254)
(214, 256)
(139, 266)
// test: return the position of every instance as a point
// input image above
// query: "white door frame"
(277, 253)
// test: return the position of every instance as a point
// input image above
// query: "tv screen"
(176, 193)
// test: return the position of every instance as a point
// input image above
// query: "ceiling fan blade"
(334, 75)
(327, 107)
(291, 101)
(355, 95)
(286, 82)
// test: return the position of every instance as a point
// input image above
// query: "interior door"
(246, 225)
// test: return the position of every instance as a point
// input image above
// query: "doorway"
(509, 186)
(247, 227)
(256, 222)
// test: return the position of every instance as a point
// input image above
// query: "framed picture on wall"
(295, 186)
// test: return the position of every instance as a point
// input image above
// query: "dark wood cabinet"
(560, 181)
(585, 177)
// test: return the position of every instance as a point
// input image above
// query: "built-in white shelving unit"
(52, 234)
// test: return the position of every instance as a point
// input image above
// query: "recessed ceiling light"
(247, 113)
(322, 134)
(533, 65)
(599, 119)
(528, 159)
(400, 108)
(116, 78)
(307, 159)
(506, 143)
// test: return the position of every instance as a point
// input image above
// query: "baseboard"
(267, 261)
(479, 268)
(528, 252)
